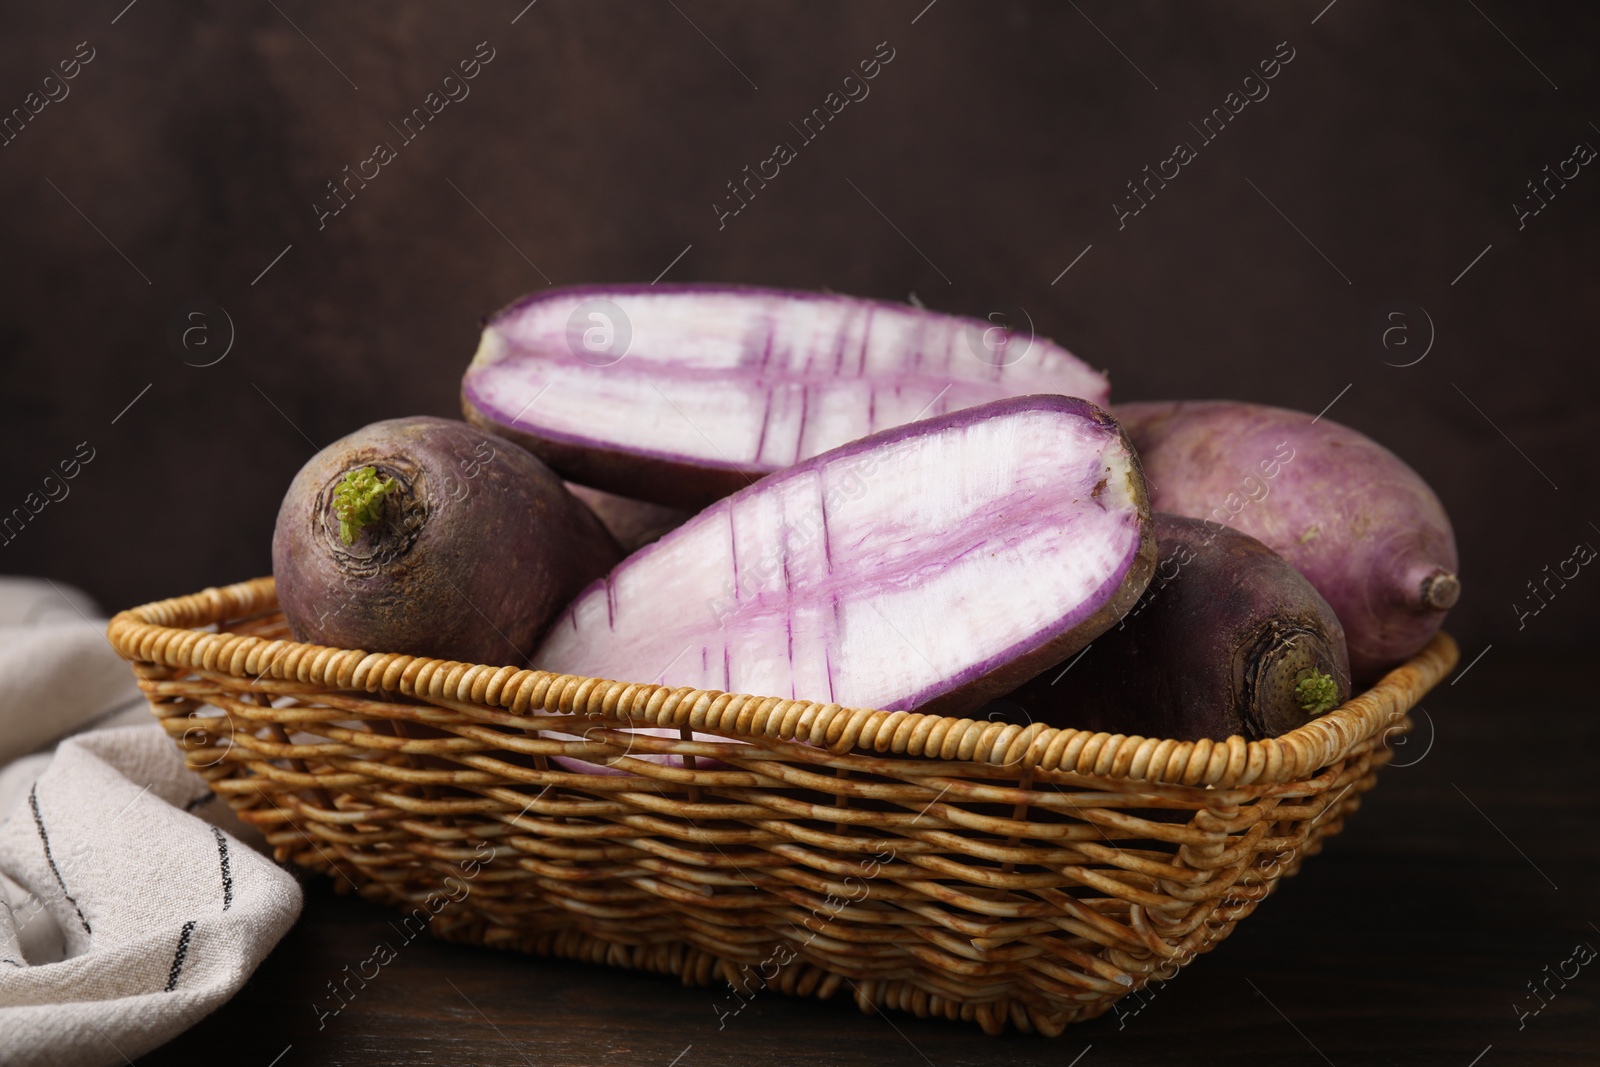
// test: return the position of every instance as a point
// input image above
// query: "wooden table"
(1409, 940)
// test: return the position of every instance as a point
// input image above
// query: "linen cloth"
(130, 903)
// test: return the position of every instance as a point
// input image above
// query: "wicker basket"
(1007, 875)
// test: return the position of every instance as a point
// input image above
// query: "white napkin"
(125, 916)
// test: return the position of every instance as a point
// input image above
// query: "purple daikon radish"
(931, 566)
(1363, 527)
(430, 537)
(680, 395)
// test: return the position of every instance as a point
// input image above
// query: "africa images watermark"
(52, 90)
(1252, 490)
(454, 90)
(1236, 896)
(783, 954)
(1582, 155)
(793, 535)
(1582, 954)
(55, 489)
(453, 891)
(1210, 128)
(401, 525)
(1582, 554)
(68, 864)
(784, 153)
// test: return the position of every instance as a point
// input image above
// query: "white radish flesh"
(683, 394)
(932, 566)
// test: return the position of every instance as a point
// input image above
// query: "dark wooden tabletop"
(1469, 873)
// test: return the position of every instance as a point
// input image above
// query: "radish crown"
(358, 501)
(1317, 692)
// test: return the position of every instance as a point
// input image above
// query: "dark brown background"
(596, 141)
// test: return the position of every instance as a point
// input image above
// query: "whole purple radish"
(1363, 527)
(430, 537)
(634, 523)
(683, 394)
(1227, 639)
(931, 566)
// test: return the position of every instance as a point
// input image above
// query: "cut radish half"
(932, 566)
(681, 395)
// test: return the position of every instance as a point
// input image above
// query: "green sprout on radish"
(358, 501)
(1317, 692)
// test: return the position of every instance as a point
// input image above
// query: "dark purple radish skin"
(634, 523)
(1227, 639)
(931, 566)
(472, 550)
(681, 395)
(1363, 527)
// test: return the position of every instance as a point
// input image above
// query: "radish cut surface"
(932, 566)
(683, 394)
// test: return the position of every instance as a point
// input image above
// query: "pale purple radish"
(1363, 527)
(931, 566)
(683, 394)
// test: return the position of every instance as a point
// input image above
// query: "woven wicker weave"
(1008, 875)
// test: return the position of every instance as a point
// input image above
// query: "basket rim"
(166, 633)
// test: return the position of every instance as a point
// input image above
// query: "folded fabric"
(164, 915)
(58, 672)
(129, 905)
(37, 601)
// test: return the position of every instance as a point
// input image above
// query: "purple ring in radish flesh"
(1363, 527)
(680, 395)
(931, 566)
(429, 537)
